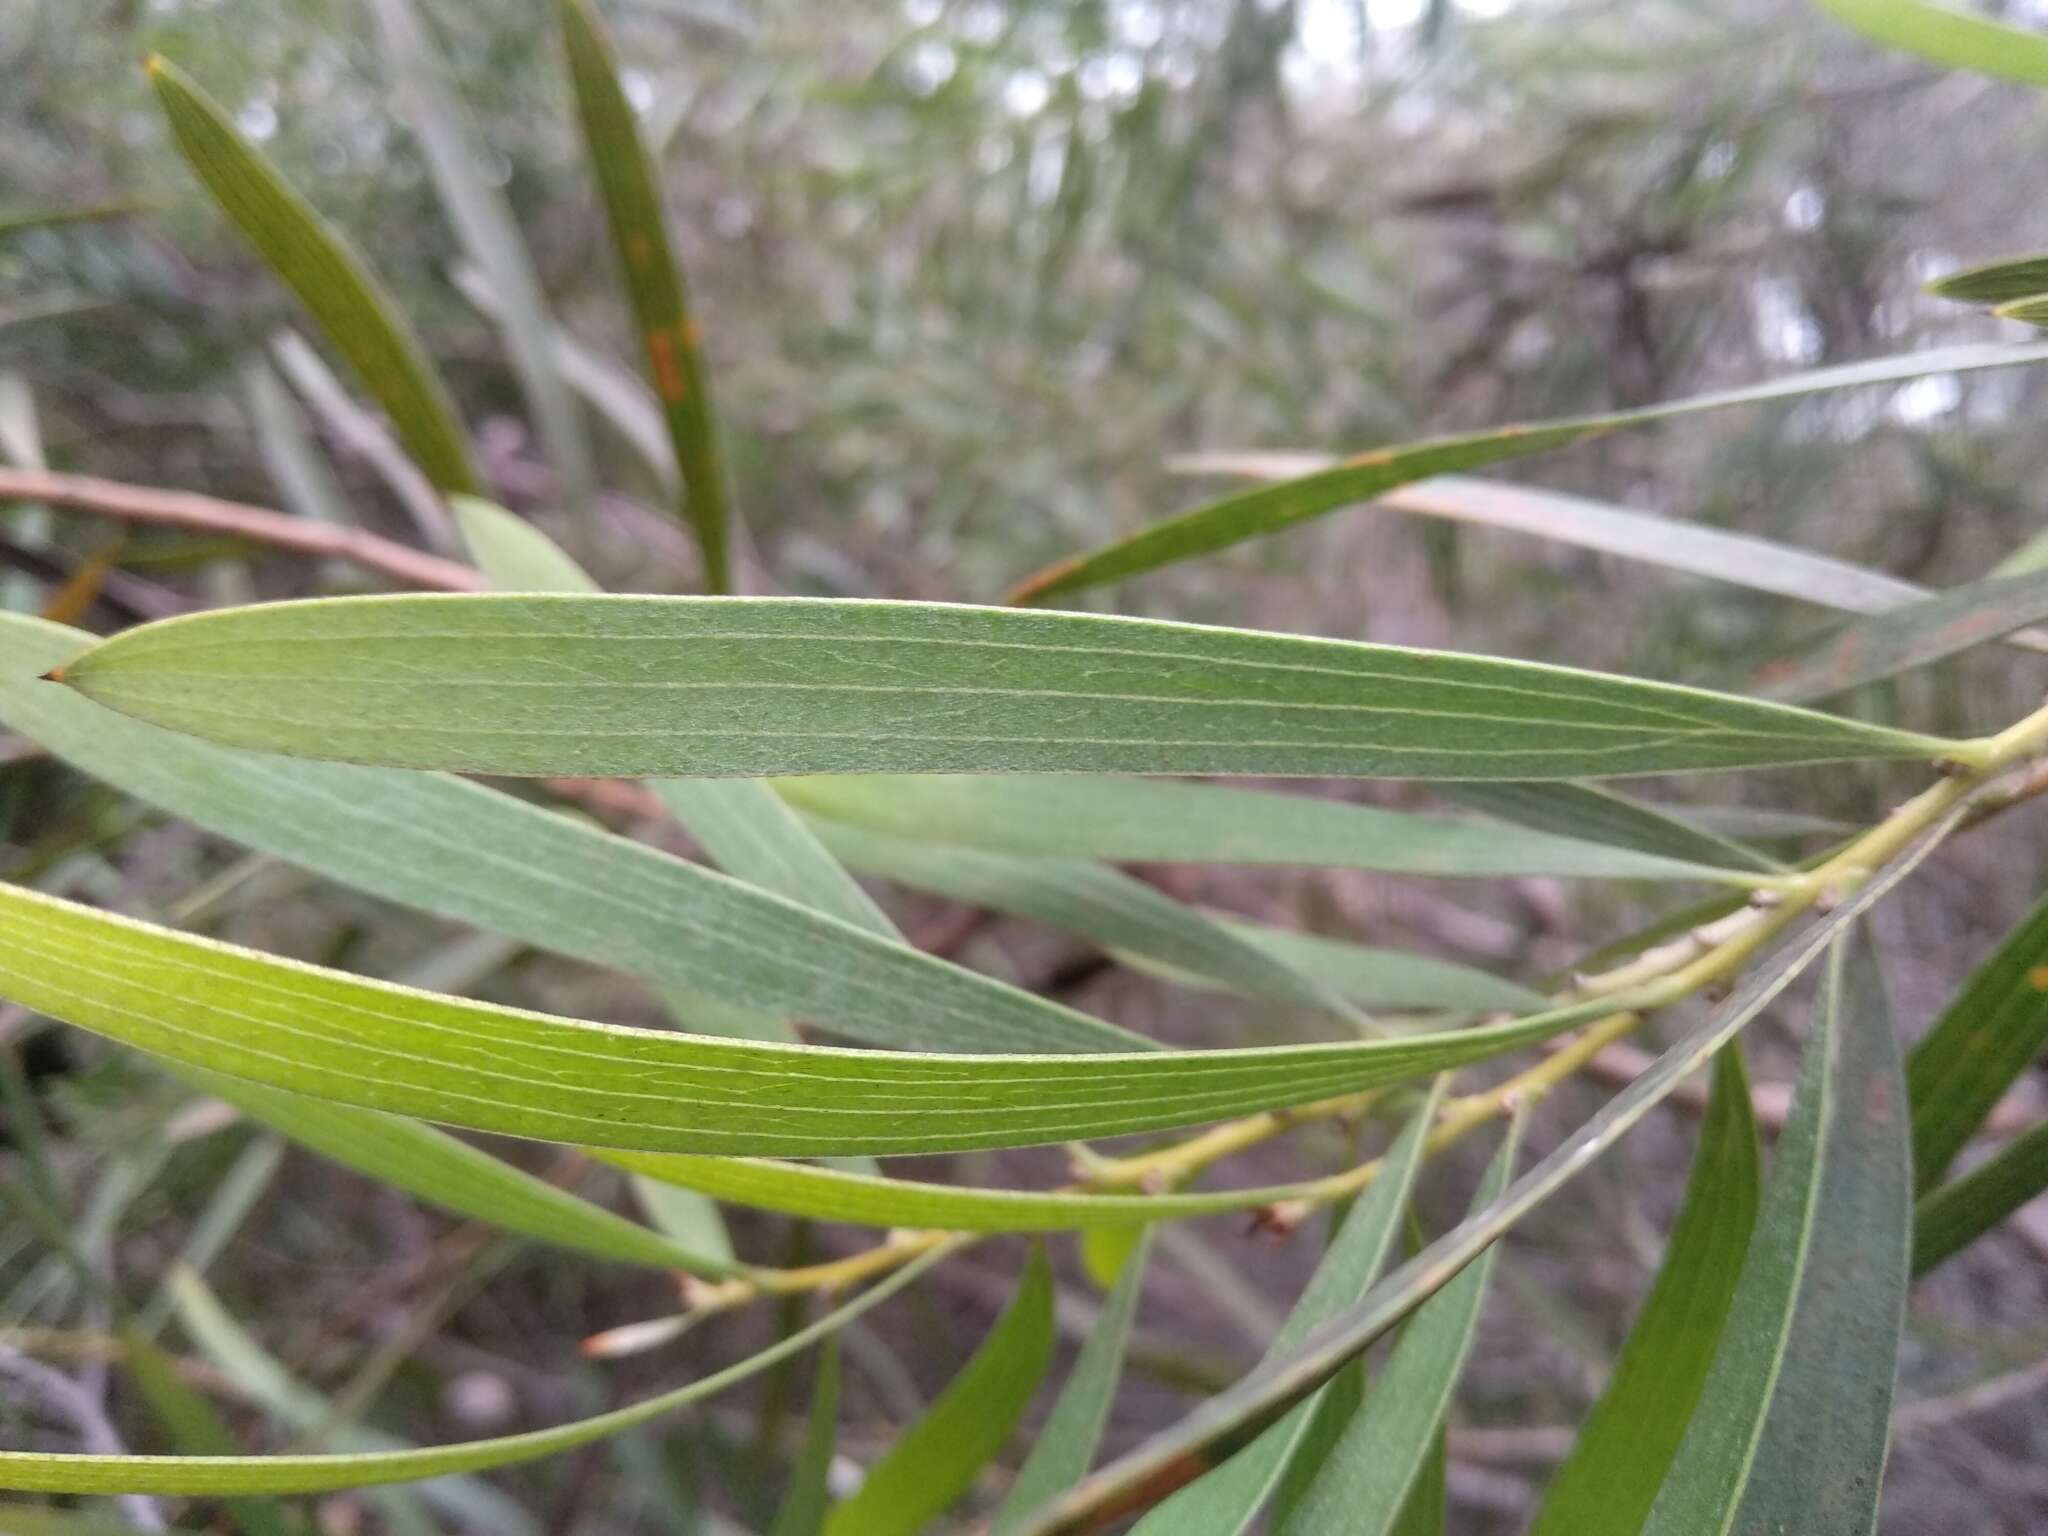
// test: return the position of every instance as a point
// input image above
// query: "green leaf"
(1791, 1427)
(1102, 905)
(1600, 815)
(1867, 650)
(654, 281)
(798, 1189)
(629, 686)
(1428, 1504)
(1224, 1502)
(1364, 476)
(1387, 977)
(318, 1032)
(806, 1497)
(1144, 820)
(1994, 1026)
(512, 553)
(743, 825)
(1998, 282)
(1066, 1444)
(34, 1472)
(43, 1520)
(16, 221)
(483, 223)
(1674, 544)
(1364, 1482)
(1949, 36)
(936, 1460)
(2030, 311)
(1280, 1382)
(444, 845)
(305, 484)
(317, 264)
(1947, 1220)
(684, 1215)
(455, 1176)
(1609, 1481)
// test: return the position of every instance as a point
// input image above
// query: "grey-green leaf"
(806, 1497)
(1364, 1481)
(624, 686)
(1948, 1219)
(1792, 1425)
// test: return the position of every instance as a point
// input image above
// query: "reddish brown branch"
(208, 514)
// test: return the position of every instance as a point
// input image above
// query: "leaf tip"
(1042, 583)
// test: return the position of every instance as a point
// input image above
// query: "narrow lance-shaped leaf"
(1792, 1425)
(315, 261)
(1363, 476)
(195, 1427)
(605, 685)
(1102, 905)
(1868, 650)
(1997, 282)
(455, 1176)
(1225, 1501)
(1364, 1481)
(743, 825)
(1127, 819)
(1606, 1485)
(938, 1457)
(1066, 1445)
(797, 1189)
(1948, 1219)
(483, 223)
(1280, 1382)
(805, 1499)
(35, 1472)
(1373, 977)
(1670, 543)
(317, 1032)
(1949, 36)
(1602, 816)
(654, 281)
(1994, 1026)
(448, 846)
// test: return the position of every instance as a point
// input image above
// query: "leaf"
(1224, 1502)
(936, 1460)
(1792, 1424)
(1066, 1444)
(1097, 903)
(1867, 650)
(1997, 282)
(455, 1176)
(1388, 977)
(34, 1472)
(458, 849)
(515, 555)
(1426, 1511)
(524, 1074)
(742, 824)
(1364, 476)
(1281, 1381)
(1606, 1485)
(684, 1215)
(1363, 1484)
(1672, 543)
(654, 282)
(798, 1189)
(1995, 1025)
(804, 1502)
(2031, 311)
(16, 221)
(318, 265)
(628, 686)
(305, 484)
(1600, 815)
(263, 1378)
(483, 223)
(1948, 36)
(1948, 1219)
(1137, 819)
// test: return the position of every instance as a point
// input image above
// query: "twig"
(208, 514)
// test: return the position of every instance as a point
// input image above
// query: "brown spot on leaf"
(2037, 978)
(639, 251)
(668, 372)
